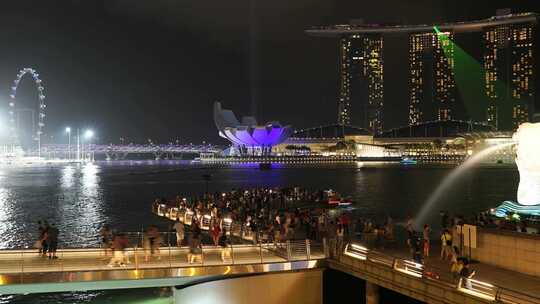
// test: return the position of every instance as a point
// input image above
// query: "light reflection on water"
(80, 205)
(131, 296)
(81, 198)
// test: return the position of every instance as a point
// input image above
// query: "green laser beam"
(470, 78)
(468, 75)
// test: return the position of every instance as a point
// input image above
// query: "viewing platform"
(26, 271)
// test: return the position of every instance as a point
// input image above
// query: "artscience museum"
(246, 135)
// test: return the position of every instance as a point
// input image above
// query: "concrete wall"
(510, 250)
(286, 287)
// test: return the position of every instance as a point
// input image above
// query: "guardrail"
(469, 286)
(23, 262)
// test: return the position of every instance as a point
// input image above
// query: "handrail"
(23, 262)
(419, 271)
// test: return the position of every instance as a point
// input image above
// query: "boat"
(408, 161)
(335, 199)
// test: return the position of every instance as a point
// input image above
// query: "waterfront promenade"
(24, 271)
(436, 269)
(393, 258)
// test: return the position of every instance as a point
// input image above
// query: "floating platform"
(509, 207)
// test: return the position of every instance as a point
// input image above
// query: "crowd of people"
(266, 214)
(420, 245)
(274, 215)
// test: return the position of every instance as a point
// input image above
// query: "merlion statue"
(527, 138)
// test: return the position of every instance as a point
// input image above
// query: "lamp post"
(88, 134)
(68, 132)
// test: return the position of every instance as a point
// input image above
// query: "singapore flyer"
(37, 129)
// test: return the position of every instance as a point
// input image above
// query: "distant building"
(431, 78)
(431, 130)
(509, 41)
(510, 74)
(322, 139)
(246, 135)
(361, 80)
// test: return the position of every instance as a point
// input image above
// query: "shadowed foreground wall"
(287, 287)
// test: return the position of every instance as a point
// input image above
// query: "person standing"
(44, 232)
(179, 228)
(410, 224)
(456, 266)
(119, 244)
(195, 247)
(39, 242)
(426, 238)
(52, 240)
(216, 231)
(106, 238)
(340, 232)
(466, 274)
(331, 233)
(446, 245)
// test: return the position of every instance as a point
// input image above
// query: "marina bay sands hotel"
(506, 71)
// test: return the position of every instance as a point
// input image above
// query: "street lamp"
(68, 132)
(88, 134)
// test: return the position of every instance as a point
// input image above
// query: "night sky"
(152, 69)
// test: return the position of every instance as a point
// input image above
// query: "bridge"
(115, 152)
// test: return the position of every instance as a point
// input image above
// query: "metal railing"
(140, 256)
(469, 286)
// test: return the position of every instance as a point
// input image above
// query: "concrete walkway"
(511, 280)
(29, 261)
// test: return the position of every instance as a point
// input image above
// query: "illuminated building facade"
(509, 74)
(361, 76)
(431, 81)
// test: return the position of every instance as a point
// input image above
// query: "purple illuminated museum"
(247, 136)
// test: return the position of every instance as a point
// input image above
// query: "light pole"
(88, 134)
(68, 132)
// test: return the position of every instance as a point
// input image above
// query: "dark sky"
(152, 69)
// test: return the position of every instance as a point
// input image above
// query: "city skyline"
(505, 84)
(85, 63)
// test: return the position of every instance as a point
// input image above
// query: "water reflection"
(80, 198)
(5, 222)
(67, 179)
(81, 206)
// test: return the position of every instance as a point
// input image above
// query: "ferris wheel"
(41, 107)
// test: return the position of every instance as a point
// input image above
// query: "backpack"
(447, 241)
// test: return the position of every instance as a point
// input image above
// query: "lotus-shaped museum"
(248, 133)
